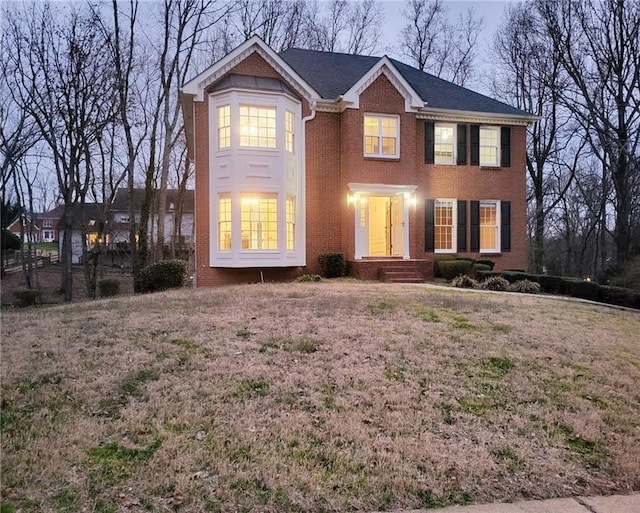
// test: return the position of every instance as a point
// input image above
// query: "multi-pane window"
(288, 130)
(381, 136)
(259, 221)
(444, 144)
(224, 126)
(224, 222)
(257, 126)
(489, 226)
(290, 215)
(489, 146)
(444, 224)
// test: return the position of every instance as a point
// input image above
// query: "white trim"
(380, 155)
(196, 86)
(498, 248)
(454, 228)
(381, 188)
(487, 118)
(385, 67)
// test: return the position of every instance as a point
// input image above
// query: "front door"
(384, 225)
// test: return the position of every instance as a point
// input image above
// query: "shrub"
(10, 240)
(525, 286)
(477, 266)
(109, 287)
(490, 263)
(452, 268)
(163, 275)
(26, 297)
(438, 259)
(332, 265)
(628, 275)
(582, 289)
(308, 277)
(464, 282)
(551, 284)
(495, 283)
(619, 296)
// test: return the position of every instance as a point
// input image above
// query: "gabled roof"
(334, 74)
(121, 200)
(91, 215)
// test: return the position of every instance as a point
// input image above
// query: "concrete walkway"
(610, 504)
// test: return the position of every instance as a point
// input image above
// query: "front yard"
(331, 396)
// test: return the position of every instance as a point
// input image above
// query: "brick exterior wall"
(335, 157)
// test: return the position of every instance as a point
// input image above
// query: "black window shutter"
(475, 145)
(429, 141)
(505, 225)
(505, 146)
(429, 243)
(462, 145)
(475, 226)
(462, 226)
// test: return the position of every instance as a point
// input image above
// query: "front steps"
(403, 271)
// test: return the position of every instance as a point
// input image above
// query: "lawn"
(331, 396)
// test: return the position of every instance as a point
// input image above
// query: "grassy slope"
(311, 397)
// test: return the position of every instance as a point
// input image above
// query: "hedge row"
(449, 267)
(574, 287)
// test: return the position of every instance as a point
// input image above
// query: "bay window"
(290, 220)
(224, 222)
(224, 127)
(259, 221)
(257, 126)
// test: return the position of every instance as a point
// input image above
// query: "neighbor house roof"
(91, 214)
(121, 200)
(333, 74)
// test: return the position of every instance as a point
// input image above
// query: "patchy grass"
(336, 396)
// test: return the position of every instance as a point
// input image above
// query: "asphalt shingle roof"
(333, 74)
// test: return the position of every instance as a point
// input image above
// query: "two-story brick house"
(306, 152)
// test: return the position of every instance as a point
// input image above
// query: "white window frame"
(380, 136)
(289, 131)
(222, 222)
(496, 227)
(266, 137)
(454, 135)
(454, 226)
(223, 119)
(486, 129)
(255, 235)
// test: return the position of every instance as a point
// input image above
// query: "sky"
(490, 10)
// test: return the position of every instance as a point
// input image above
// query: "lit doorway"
(385, 225)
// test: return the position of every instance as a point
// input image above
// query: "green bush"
(309, 277)
(495, 283)
(582, 289)
(26, 297)
(163, 275)
(437, 272)
(525, 286)
(477, 266)
(449, 269)
(490, 263)
(619, 296)
(332, 265)
(464, 282)
(550, 284)
(109, 287)
(10, 240)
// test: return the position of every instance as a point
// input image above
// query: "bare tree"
(598, 44)
(434, 45)
(64, 82)
(531, 79)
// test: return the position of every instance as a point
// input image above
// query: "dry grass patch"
(316, 397)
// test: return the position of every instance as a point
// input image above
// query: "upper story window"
(489, 146)
(489, 227)
(288, 130)
(257, 126)
(381, 136)
(444, 144)
(224, 126)
(444, 226)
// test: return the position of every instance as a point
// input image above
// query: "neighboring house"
(95, 226)
(120, 213)
(306, 152)
(38, 227)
